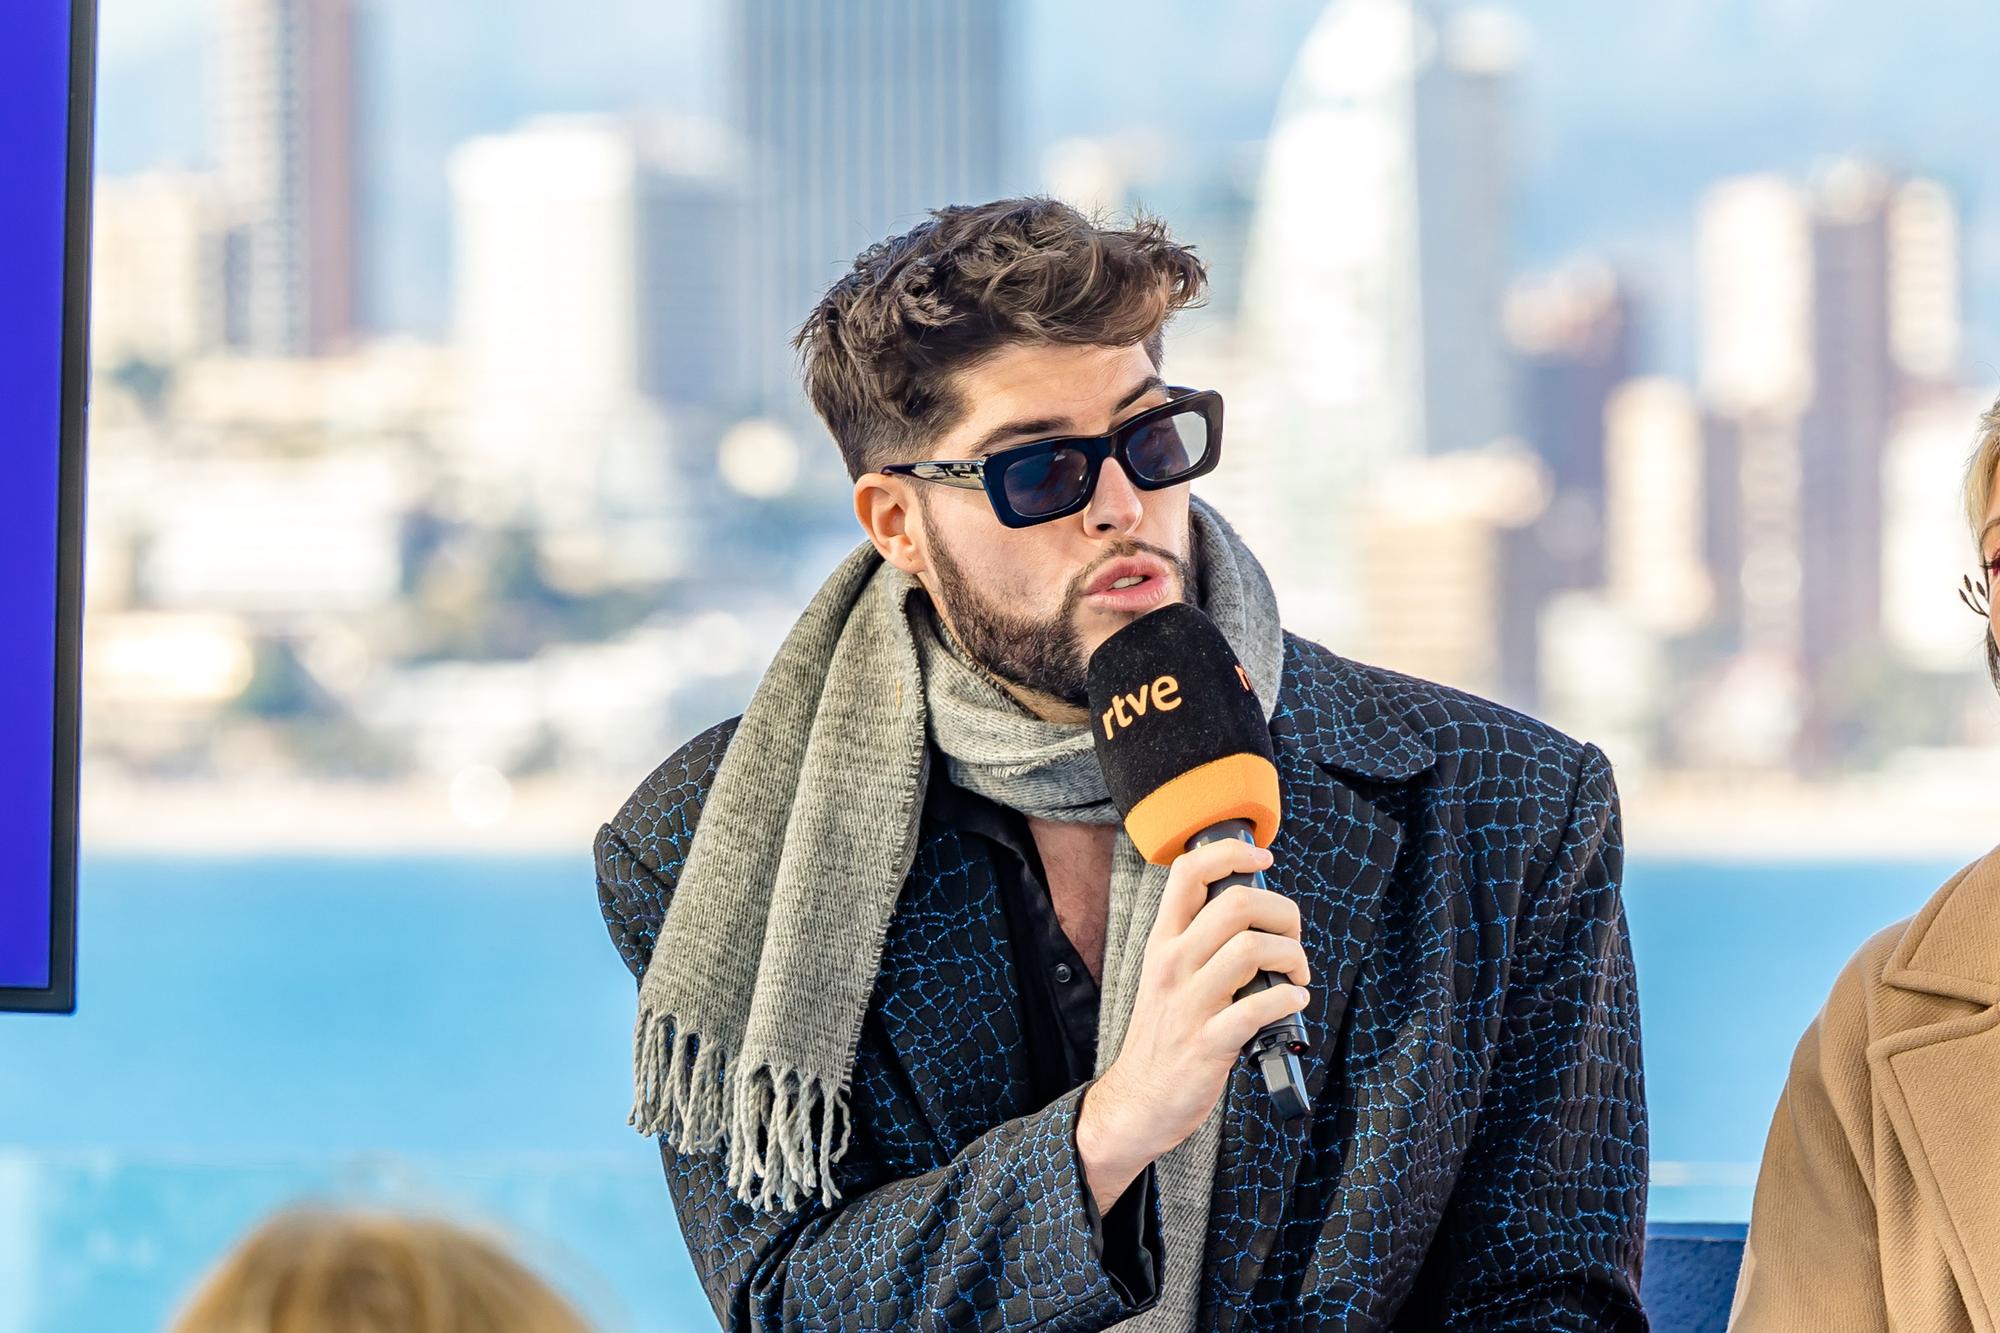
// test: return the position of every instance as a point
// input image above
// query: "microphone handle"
(1278, 1045)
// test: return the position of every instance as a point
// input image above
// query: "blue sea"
(452, 1034)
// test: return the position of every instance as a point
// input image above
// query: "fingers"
(1229, 1031)
(1241, 958)
(1238, 908)
(1191, 874)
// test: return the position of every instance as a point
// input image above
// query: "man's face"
(1024, 602)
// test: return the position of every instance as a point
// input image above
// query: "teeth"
(1129, 580)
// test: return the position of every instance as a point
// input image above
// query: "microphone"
(1187, 757)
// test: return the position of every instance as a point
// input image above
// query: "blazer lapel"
(1937, 1079)
(1334, 856)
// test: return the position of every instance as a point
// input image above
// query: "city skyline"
(1624, 117)
(473, 553)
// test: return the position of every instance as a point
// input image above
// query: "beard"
(1043, 655)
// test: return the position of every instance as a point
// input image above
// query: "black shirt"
(1057, 1005)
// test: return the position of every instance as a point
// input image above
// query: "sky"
(1625, 112)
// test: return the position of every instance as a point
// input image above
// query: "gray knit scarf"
(751, 1006)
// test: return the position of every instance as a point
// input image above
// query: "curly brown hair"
(881, 348)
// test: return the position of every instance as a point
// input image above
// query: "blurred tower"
(545, 223)
(1371, 311)
(1571, 334)
(1448, 578)
(585, 299)
(1926, 334)
(1826, 314)
(861, 116)
(691, 251)
(1655, 559)
(156, 257)
(1754, 251)
(288, 146)
(1846, 429)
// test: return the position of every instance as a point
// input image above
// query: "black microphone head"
(1180, 732)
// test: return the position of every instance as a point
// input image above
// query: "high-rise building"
(156, 268)
(1926, 334)
(859, 117)
(1826, 313)
(545, 284)
(1755, 258)
(691, 263)
(1754, 254)
(1656, 567)
(594, 309)
(1856, 388)
(596, 260)
(288, 136)
(1371, 312)
(1572, 338)
(1447, 577)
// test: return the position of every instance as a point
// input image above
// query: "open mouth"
(1134, 590)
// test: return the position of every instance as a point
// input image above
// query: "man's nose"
(1115, 505)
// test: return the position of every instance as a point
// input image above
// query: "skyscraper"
(157, 256)
(1446, 574)
(596, 260)
(1377, 260)
(1571, 334)
(288, 148)
(1926, 334)
(1755, 259)
(1846, 431)
(1826, 313)
(859, 116)
(591, 288)
(1656, 568)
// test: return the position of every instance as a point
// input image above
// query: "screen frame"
(59, 996)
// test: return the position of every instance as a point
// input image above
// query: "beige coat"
(1878, 1205)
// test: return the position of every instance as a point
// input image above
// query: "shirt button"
(1062, 972)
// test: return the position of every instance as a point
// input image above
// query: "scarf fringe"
(776, 1125)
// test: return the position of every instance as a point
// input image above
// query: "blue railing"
(1690, 1274)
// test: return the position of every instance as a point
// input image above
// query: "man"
(927, 1044)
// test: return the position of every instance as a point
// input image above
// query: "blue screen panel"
(40, 340)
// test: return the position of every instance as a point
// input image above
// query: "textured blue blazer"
(1476, 1158)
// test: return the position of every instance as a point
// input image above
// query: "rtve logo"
(1162, 696)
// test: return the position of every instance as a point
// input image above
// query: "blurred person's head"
(996, 325)
(310, 1270)
(1982, 508)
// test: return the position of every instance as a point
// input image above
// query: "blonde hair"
(1979, 472)
(1978, 498)
(313, 1270)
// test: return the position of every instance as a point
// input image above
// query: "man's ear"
(888, 513)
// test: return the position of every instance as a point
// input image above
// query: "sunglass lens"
(1170, 447)
(1045, 483)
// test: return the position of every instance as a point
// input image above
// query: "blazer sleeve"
(1812, 1262)
(1004, 1235)
(1546, 1226)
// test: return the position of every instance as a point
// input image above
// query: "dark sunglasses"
(1033, 483)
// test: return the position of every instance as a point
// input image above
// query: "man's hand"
(1187, 1027)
